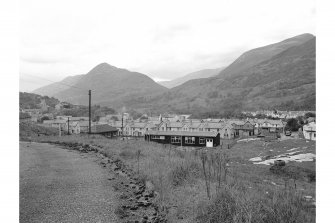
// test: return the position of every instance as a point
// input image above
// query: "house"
(151, 126)
(194, 126)
(79, 118)
(181, 138)
(56, 123)
(73, 127)
(138, 128)
(84, 126)
(213, 126)
(105, 130)
(227, 131)
(268, 125)
(309, 131)
(175, 126)
(118, 126)
(163, 126)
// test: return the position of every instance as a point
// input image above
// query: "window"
(162, 137)
(155, 137)
(175, 139)
(201, 140)
(189, 140)
(201, 129)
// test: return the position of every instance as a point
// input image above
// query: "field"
(220, 184)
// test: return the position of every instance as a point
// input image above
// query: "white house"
(309, 131)
(74, 127)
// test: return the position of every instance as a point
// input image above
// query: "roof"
(310, 127)
(236, 122)
(175, 124)
(138, 124)
(83, 123)
(181, 133)
(214, 125)
(54, 121)
(102, 128)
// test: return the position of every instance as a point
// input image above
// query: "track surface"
(59, 185)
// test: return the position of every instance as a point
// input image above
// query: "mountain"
(255, 56)
(54, 88)
(278, 76)
(194, 75)
(111, 86)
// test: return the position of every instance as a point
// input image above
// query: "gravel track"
(58, 185)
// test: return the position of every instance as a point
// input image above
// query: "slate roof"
(138, 125)
(214, 125)
(181, 133)
(175, 124)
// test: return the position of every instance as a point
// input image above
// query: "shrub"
(184, 172)
(127, 154)
(233, 206)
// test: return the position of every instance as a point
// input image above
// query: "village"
(177, 129)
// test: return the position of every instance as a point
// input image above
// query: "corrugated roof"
(181, 133)
(103, 128)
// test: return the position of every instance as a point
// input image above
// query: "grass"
(250, 193)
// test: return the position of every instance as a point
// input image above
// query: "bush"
(127, 154)
(232, 206)
(184, 172)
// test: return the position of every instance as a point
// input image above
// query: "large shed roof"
(182, 133)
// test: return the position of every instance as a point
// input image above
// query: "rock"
(279, 163)
(133, 208)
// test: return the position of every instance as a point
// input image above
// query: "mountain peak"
(102, 68)
(301, 38)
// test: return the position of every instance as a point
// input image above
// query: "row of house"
(228, 128)
(278, 114)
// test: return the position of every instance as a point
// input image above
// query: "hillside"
(194, 75)
(255, 56)
(31, 101)
(284, 81)
(111, 86)
(54, 88)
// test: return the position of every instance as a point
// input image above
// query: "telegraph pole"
(68, 125)
(89, 111)
(122, 125)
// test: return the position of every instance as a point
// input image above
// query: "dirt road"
(59, 185)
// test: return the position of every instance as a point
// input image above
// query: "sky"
(162, 39)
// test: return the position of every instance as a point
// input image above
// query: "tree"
(293, 124)
(309, 114)
(45, 118)
(24, 115)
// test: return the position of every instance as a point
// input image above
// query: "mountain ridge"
(205, 73)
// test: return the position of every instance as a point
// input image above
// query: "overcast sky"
(162, 39)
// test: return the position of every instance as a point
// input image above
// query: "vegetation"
(31, 101)
(215, 185)
(293, 124)
(24, 115)
(30, 130)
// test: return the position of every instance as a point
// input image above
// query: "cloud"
(161, 39)
(165, 34)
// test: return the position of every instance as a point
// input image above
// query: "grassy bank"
(215, 185)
